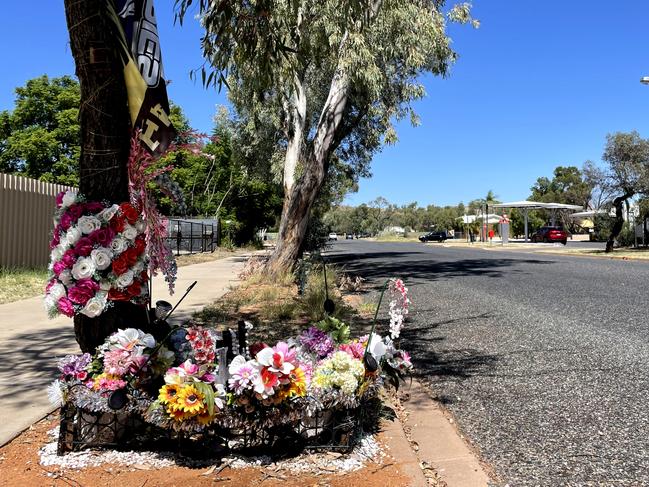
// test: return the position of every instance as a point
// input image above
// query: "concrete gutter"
(438, 443)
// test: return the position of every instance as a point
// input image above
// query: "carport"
(526, 206)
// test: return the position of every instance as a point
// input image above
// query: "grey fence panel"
(26, 211)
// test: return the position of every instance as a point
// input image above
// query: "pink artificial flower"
(84, 247)
(103, 236)
(83, 291)
(66, 221)
(75, 211)
(189, 368)
(59, 199)
(66, 307)
(355, 349)
(289, 353)
(82, 375)
(56, 238)
(69, 258)
(59, 267)
(49, 285)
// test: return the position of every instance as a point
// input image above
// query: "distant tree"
(568, 186)
(40, 137)
(627, 156)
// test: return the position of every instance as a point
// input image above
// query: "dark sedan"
(434, 237)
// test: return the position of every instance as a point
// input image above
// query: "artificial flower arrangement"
(97, 256)
(190, 386)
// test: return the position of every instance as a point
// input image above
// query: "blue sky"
(539, 84)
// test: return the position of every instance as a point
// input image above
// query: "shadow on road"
(416, 268)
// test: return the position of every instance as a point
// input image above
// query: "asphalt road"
(543, 359)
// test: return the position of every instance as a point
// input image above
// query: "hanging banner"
(145, 83)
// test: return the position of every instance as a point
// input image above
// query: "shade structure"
(535, 205)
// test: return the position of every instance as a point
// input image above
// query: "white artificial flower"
(88, 224)
(138, 267)
(50, 303)
(84, 268)
(140, 226)
(66, 277)
(118, 245)
(72, 236)
(102, 257)
(129, 232)
(107, 213)
(94, 307)
(55, 393)
(125, 279)
(376, 347)
(69, 198)
(57, 253)
(57, 291)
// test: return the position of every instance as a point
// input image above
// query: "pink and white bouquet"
(274, 375)
(399, 303)
(97, 256)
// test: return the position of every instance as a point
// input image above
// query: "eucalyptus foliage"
(327, 77)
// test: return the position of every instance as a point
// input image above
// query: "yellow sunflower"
(298, 383)
(189, 400)
(168, 393)
(204, 417)
(176, 413)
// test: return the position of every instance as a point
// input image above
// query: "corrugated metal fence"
(26, 211)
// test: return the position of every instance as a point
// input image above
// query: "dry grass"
(412, 237)
(17, 284)
(274, 306)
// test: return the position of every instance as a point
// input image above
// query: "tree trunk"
(105, 138)
(619, 220)
(299, 199)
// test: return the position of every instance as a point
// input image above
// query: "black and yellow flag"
(145, 83)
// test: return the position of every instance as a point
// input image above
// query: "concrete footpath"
(30, 343)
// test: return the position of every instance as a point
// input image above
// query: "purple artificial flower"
(317, 342)
(72, 365)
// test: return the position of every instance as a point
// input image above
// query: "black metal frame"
(336, 429)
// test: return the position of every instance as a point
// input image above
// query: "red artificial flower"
(140, 245)
(134, 289)
(117, 295)
(131, 256)
(117, 223)
(120, 265)
(130, 213)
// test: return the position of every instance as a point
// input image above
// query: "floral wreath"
(97, 257)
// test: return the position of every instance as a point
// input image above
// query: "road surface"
(543, 359)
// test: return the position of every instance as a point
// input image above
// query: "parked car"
(349, 236)
(438, 236)
(550, 234)
(333, 236)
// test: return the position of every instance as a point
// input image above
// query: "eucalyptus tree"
(330, 75)
(627, 156)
